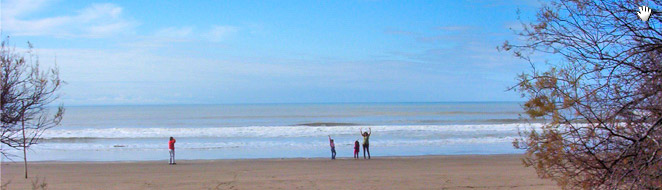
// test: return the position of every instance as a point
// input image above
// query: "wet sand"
(423, 172)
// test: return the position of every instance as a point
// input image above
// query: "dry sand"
(427, 172)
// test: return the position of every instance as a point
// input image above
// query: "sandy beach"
(423, 172)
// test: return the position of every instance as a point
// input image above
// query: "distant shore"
(417, 172)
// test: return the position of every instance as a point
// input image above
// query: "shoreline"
(401, 172)
(253, 159)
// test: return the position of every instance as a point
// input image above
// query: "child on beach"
(356, 149)
(171, 147)
(333, 148)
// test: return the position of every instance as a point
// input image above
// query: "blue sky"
(198, 52)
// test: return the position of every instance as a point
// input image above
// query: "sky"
(218, 52)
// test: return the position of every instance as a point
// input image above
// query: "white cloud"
(97, 20)
(221, 33)
(455, 28)
(166, 36)
(174, 32)
(12, 8)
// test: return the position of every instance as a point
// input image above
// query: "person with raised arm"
(333, 148)
(366, 143)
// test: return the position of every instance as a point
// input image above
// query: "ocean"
(238, 131)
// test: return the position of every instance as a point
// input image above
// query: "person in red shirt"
(171, 146)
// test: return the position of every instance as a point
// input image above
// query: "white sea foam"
(281, 131)
(270, 137)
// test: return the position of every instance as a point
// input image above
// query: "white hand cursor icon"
(644, 13)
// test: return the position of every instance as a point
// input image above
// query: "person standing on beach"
(171, 147)
(366, 144)
(333, 148)
(357, 148)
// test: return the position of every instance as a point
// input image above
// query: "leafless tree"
(26, 94)
(600, 91)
